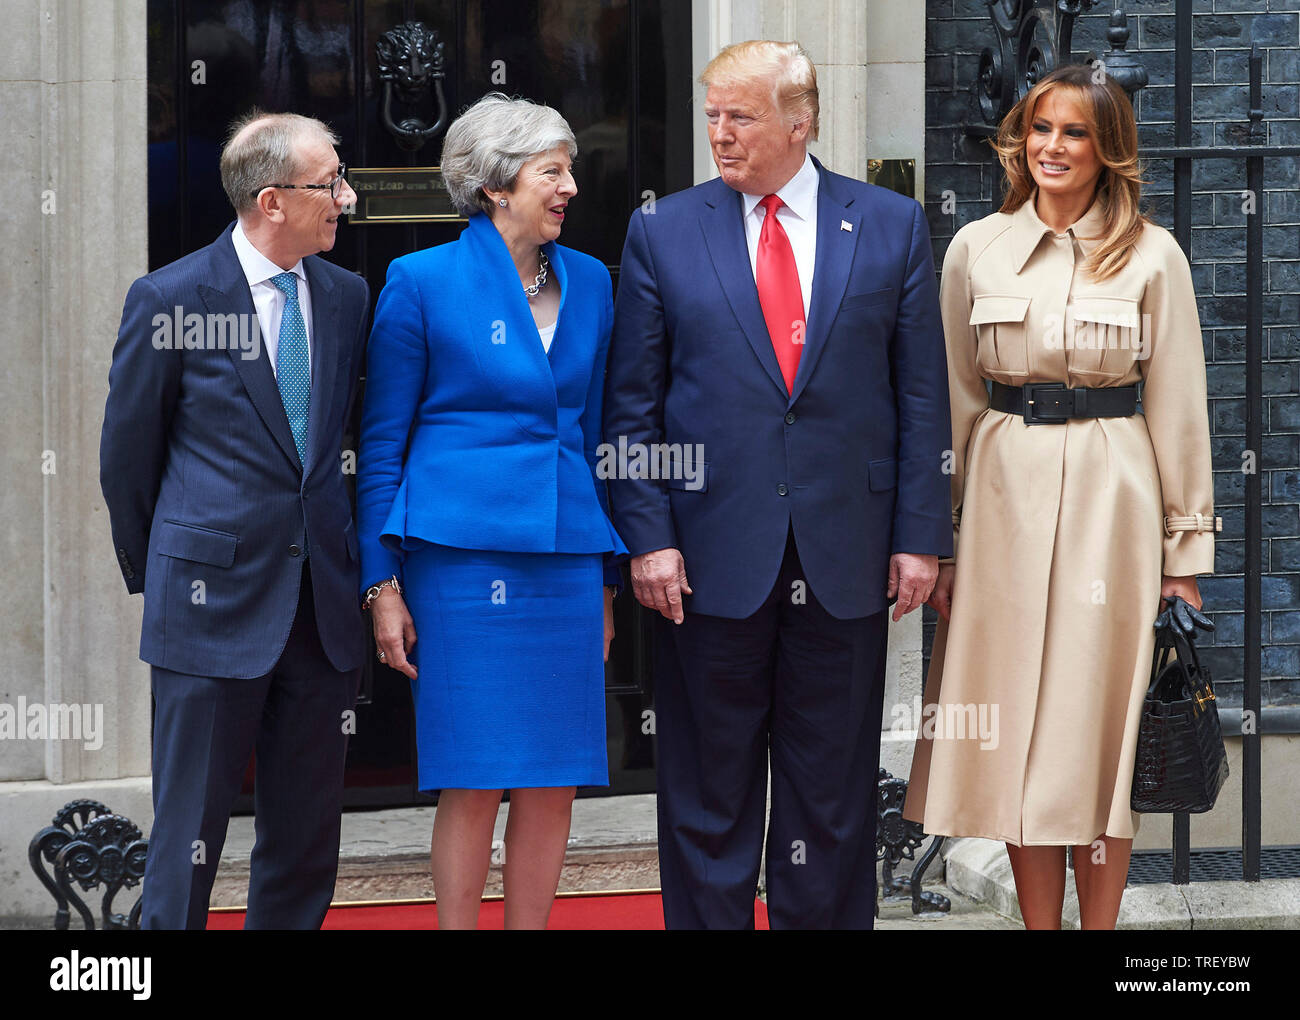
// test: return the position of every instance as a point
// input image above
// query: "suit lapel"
(501, 323)
(724, 234)
(229, 293)
(562, 279)
(836, 246)
(324, 354)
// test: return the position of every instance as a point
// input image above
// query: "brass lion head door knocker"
(410, 57)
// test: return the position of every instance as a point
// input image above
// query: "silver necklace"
(540, 282)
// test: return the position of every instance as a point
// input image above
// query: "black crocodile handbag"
(1181, 762)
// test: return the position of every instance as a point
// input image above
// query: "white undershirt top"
(268, 299)
(799, 218)
(547, 333)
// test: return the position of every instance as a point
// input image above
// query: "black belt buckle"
(1046, 403)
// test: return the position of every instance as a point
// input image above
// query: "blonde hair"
(1113, 130)
(784, 64)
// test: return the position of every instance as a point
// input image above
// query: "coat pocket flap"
(688, 477)
(871, 297)
(998, 308)
(1112, 311)
(882, 474)
(202, 545)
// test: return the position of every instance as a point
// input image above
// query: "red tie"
(779, 292)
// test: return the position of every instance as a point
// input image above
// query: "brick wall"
(957, 30)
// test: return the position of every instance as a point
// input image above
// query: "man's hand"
(659, 581)
(394, 631)
(911, 578)
(940, 599)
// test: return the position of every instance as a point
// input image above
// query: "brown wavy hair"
(1113, 130)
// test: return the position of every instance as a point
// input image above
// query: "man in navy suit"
(232, 378)
(780, 325)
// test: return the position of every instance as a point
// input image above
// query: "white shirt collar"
(257, 267)
(799, 193)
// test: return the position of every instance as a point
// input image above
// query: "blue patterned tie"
(292, 371)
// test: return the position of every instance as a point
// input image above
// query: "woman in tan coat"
(1075, 516)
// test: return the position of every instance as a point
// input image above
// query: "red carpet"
(619, 912)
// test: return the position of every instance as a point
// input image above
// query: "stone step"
(384, 855)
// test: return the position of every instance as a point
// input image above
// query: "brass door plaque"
(414, 194)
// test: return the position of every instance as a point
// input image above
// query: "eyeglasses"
(333, 187)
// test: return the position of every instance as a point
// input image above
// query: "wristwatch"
(373, 591)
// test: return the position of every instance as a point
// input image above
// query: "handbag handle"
(1171, 636)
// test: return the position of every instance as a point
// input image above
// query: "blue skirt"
(511, 686)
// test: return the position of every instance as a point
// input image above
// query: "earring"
(502, 203)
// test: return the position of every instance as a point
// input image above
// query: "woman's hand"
(1184, 587)
(394, 631)
(609, 619)
(940, 599)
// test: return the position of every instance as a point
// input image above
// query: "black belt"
(1052, 403)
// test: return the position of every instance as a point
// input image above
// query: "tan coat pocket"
(1106, 336)
(999, 320)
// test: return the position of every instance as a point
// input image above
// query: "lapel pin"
(846, 225)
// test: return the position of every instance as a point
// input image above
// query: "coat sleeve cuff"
(613, 576)
(1189, 544)
(379, 563)
(924, 536)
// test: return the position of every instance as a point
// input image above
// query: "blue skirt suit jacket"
(477, 487)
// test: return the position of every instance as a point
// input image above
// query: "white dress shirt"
(799, 218)
(268, 299)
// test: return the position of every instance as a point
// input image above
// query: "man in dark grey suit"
(232, 378)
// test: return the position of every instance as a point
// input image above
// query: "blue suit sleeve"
(635, 388)
(396, 364)
(143, 387)
(591, 420)
(922, 514)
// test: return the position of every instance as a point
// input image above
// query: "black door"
(618, 70)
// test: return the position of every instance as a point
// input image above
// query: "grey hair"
(263, 148)
(489, 143)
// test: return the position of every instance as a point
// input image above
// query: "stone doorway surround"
(73, 142)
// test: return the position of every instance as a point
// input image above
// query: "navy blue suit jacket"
(203, 481)
(852, 457)
(472, 435)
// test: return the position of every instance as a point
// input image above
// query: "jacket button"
(789, 418)
(294, 551)
(130, 574)
(782, 490)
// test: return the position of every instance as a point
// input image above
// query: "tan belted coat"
(1063, 530)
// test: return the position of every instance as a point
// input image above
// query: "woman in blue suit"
(484, 530)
